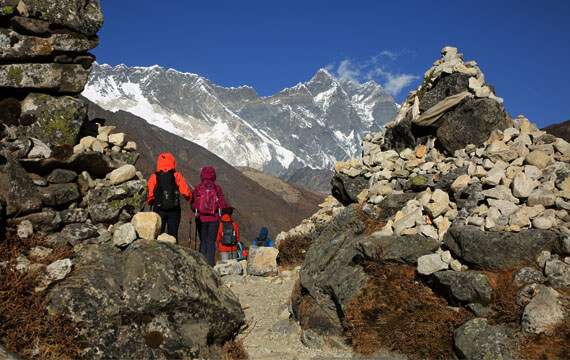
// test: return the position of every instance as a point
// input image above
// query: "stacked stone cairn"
(72, 182)
(484, 191)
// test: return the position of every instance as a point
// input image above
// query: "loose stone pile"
(453, 186)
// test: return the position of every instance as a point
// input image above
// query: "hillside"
(561, 130)
(255, 205)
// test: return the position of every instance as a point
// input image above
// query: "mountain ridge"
(311, 124)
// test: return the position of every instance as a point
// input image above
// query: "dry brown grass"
(544, 347)
(398, 313)
(235, 350)
(292, 251)
(25, 326)
(504, 301)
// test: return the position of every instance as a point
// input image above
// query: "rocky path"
(271, 334)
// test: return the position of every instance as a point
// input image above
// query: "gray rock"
(405, 249)
(124, 235)
(497, 250)
(465, 286)
(122, 174)
(446, 85)
(105, 204)
(46, 221)
(84, 16)
(543, 313)
(40, 252)
(77, 215)
(39, 150)
(63, 78)
(477, 340)
(53, 120)
(557, 273)
(75, 233)
(529, 275)
(61, 176)
(59, 194)
(17, 189)
(158, 298)
(471, 122)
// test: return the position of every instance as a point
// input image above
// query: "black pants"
(170, 221)
(208, 231)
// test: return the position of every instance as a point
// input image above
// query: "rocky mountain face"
(256, 205)
(454, 204)
(84, 273)
(312, 124)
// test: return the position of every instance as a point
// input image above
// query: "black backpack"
(166, 193)
(229, 237)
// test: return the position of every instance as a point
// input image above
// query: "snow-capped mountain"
(311, 124)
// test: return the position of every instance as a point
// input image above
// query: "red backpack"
(207, 199)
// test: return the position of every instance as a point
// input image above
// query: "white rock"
(262, 261)
(428, 231)
(117, 139)
(542, 258)
(166, 238)
(523, 186)
(408, 221)
(543, 222)
(494, 176)
(443, 225)
(538, 158)
(532, 172)
(541, 197)
(25, 229)
(122, 174)
(124, 235)
(505, 207)
(99, 146)
(455, 265)
(87, 142)
(429, 264)
(439, 204)
(562, 146)
(147, 225)
(59, 269)
(105, 130)
(130, 146)
(460, 183)
(39, 150)
(446, 257)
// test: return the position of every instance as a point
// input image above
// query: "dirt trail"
(272, 335)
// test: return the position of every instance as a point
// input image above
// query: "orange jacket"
(222, 248)
(166, 162)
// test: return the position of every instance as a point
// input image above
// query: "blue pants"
(208, 231)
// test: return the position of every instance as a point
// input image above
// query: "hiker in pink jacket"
(207, 202)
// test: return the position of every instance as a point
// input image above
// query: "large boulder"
(497, 250)
(105, 204)
(465, 286)
(63, 78)
(150, 301)
(83, 16)
(332, 273)
(17, 189)
(471, 123)
(53, 120)
(477, 340)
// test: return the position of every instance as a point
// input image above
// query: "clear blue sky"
(522, 46)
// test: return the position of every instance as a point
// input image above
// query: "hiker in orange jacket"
(228, 240)
(164, 189)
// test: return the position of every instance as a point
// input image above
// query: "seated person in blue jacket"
(263, 238)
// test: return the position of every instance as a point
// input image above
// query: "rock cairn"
(73, 183)
(453, 186)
